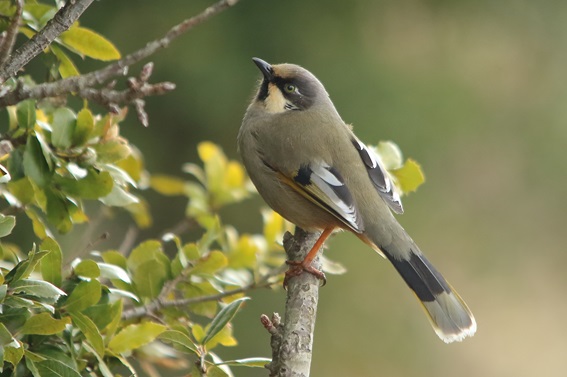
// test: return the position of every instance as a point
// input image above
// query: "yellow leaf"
(273, 226)
(208, 151)
(167, 185)
(89, 43)
(210, 263)
(198, 332)
(66, 66)
(224, 337)
(409, 177)
(234, 175)
(135, 336)
(244, 254)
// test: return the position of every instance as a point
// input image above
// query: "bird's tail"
(450, 317)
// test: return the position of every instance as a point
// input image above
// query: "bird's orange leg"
(297, 267)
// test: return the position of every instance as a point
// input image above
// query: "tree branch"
(9, 36)
(292, 341)
(76, 84)
(61, 22)
(162, 301)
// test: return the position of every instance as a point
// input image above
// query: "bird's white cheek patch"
(275, 102)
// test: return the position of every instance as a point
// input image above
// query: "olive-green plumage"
(309, 167)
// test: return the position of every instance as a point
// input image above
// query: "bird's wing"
(379, 176)
(324, 186)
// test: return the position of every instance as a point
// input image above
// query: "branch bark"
(76, 84)
(292, 341)
(9, 36)
(61, 22)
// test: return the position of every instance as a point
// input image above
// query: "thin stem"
(162, 302)
(76, 84)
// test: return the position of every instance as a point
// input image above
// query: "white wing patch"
(379, 176)
(327, 187)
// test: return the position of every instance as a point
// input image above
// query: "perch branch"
(292, 341)
(76, 84)
(61, 22)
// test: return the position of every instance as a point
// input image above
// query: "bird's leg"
(297, 267)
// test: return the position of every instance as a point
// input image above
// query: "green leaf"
(116, 258)
(51, 263)
(205, 288)
(104, 314)
(66, 66)
(90, 331)
(222, 319)
(123, 293)
(87, 42)
(55, 368)
(254, 362)
(409, 177)
(44, 324)
(3, 290)
(119, 197)
(94, 186)
(14, 352)
(57, 210)
(23, 269)
(39, 227)
(215, 371)
(37, 10)
(36, 166)
(25, 112)
(135, 336)
(223, 337)
(149, 278)
(85, 294)
(5, 335)
(7, 223)
(180, 340)
(102, 367)
(64, 121)
(112, 151)
(146, 251)
(22, 189)
(84, 127)
(38, 288)
(111, 271)
(87, 268)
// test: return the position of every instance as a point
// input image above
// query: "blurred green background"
(476, 91)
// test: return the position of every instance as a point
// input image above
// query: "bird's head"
(288, 87)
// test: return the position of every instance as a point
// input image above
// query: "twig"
(138, 88)
(75, 84)
(7, 42)
(162, 302)
(62, 21)
(292, 341)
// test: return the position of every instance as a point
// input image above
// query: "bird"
(309, 166)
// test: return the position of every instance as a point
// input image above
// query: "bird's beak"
(265, 68)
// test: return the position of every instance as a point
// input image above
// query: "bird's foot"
(296, 268)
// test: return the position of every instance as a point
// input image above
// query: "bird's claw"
(296, 268)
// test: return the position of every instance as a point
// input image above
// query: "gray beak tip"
(265, 68)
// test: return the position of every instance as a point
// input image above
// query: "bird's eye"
(290, 88)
